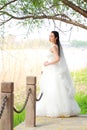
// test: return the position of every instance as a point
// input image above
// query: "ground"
(47, 123)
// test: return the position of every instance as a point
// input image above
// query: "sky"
(76, 33)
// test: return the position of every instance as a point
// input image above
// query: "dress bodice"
(49, 54)
(61, 65)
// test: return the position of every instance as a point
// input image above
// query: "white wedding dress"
(58, 90)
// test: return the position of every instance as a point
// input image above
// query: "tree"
(35, 11)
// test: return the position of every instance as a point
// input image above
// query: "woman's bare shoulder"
(54, 48)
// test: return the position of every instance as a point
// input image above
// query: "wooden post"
(30, 119)
(7, 118)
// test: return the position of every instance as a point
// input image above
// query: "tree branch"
(55, 17)
(5, 21)
(74, 7)
(7, 4)
(85, 1)
(32, 16)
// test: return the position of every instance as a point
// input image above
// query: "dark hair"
(56, 34)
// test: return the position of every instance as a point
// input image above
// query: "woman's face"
(52, 38)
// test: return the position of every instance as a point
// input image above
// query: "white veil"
(63, 72)
(66, 74)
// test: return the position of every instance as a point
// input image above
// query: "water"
(76, 58)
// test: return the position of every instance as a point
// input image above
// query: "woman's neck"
(53, 43)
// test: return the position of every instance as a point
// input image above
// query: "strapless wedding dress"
(58, 90)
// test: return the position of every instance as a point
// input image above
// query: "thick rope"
(19, 111)
(39, 97)
(3, 106)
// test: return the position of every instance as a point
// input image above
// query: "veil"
(66, 77)
(63, 72)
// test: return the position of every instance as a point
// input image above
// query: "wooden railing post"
(7, 117)
(30, 119)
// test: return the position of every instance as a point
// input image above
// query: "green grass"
(18, 118)
(80, 77)
(82, 101)
(80, 80)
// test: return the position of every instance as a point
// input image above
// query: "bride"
(56, 84)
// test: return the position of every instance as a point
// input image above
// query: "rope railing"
(7, 96)
(25, 103)
(3, 106)
(39, 97)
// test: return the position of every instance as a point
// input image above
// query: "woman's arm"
(54, 50)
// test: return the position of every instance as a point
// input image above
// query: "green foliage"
(2, 2)
(35, 8)
(39, 6)
(80, 3)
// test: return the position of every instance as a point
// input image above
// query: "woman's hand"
(46, 63)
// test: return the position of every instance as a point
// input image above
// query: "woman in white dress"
(56, 84)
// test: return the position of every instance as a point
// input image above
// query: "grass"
(18, 118)
(82, 101)
(80, 79)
